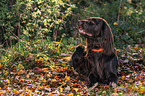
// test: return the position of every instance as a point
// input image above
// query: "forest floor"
(60, 80)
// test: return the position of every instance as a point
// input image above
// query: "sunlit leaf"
(136, 48)
(118, 50)
(20, 72)
(67, 77)
(20, 66)
(115, 23)
(75, 89)
(1, 66)
(71, 94)
(22, 94)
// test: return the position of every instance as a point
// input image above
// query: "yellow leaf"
(21, 94)
(76, 89)
(61, 89)
(34, 14)
(20, 66)
(141, 90)
(63, 83)
(140, 83)
(141, 49)
(45, 29)
(53, 80)
(71, 48)
(71, 94)
(35, 45)
(1, 66)
(67, 77)
(8, 81)
(118, 50)
(115, 23)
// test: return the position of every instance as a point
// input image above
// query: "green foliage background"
(31, 19)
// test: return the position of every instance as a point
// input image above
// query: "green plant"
(30, 19)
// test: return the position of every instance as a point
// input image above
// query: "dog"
(99, 61)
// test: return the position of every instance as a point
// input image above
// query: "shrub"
(30, 19)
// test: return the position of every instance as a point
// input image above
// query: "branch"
(141, 31)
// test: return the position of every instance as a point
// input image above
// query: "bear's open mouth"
(81, 31)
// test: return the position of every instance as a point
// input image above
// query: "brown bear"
(99, 62)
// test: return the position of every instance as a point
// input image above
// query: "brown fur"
(106, 39)
(96, 66)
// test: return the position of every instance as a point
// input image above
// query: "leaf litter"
(63, 80)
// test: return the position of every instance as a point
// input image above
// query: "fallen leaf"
(1, 66)
(115, 23)
(20, 72)
(20, 66)
(114, 94)
(71, 94)
(136, 48)
(75, 89)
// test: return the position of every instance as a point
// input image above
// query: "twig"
(141, 31)
(91, 88)
(119, 11)
(13, 33)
